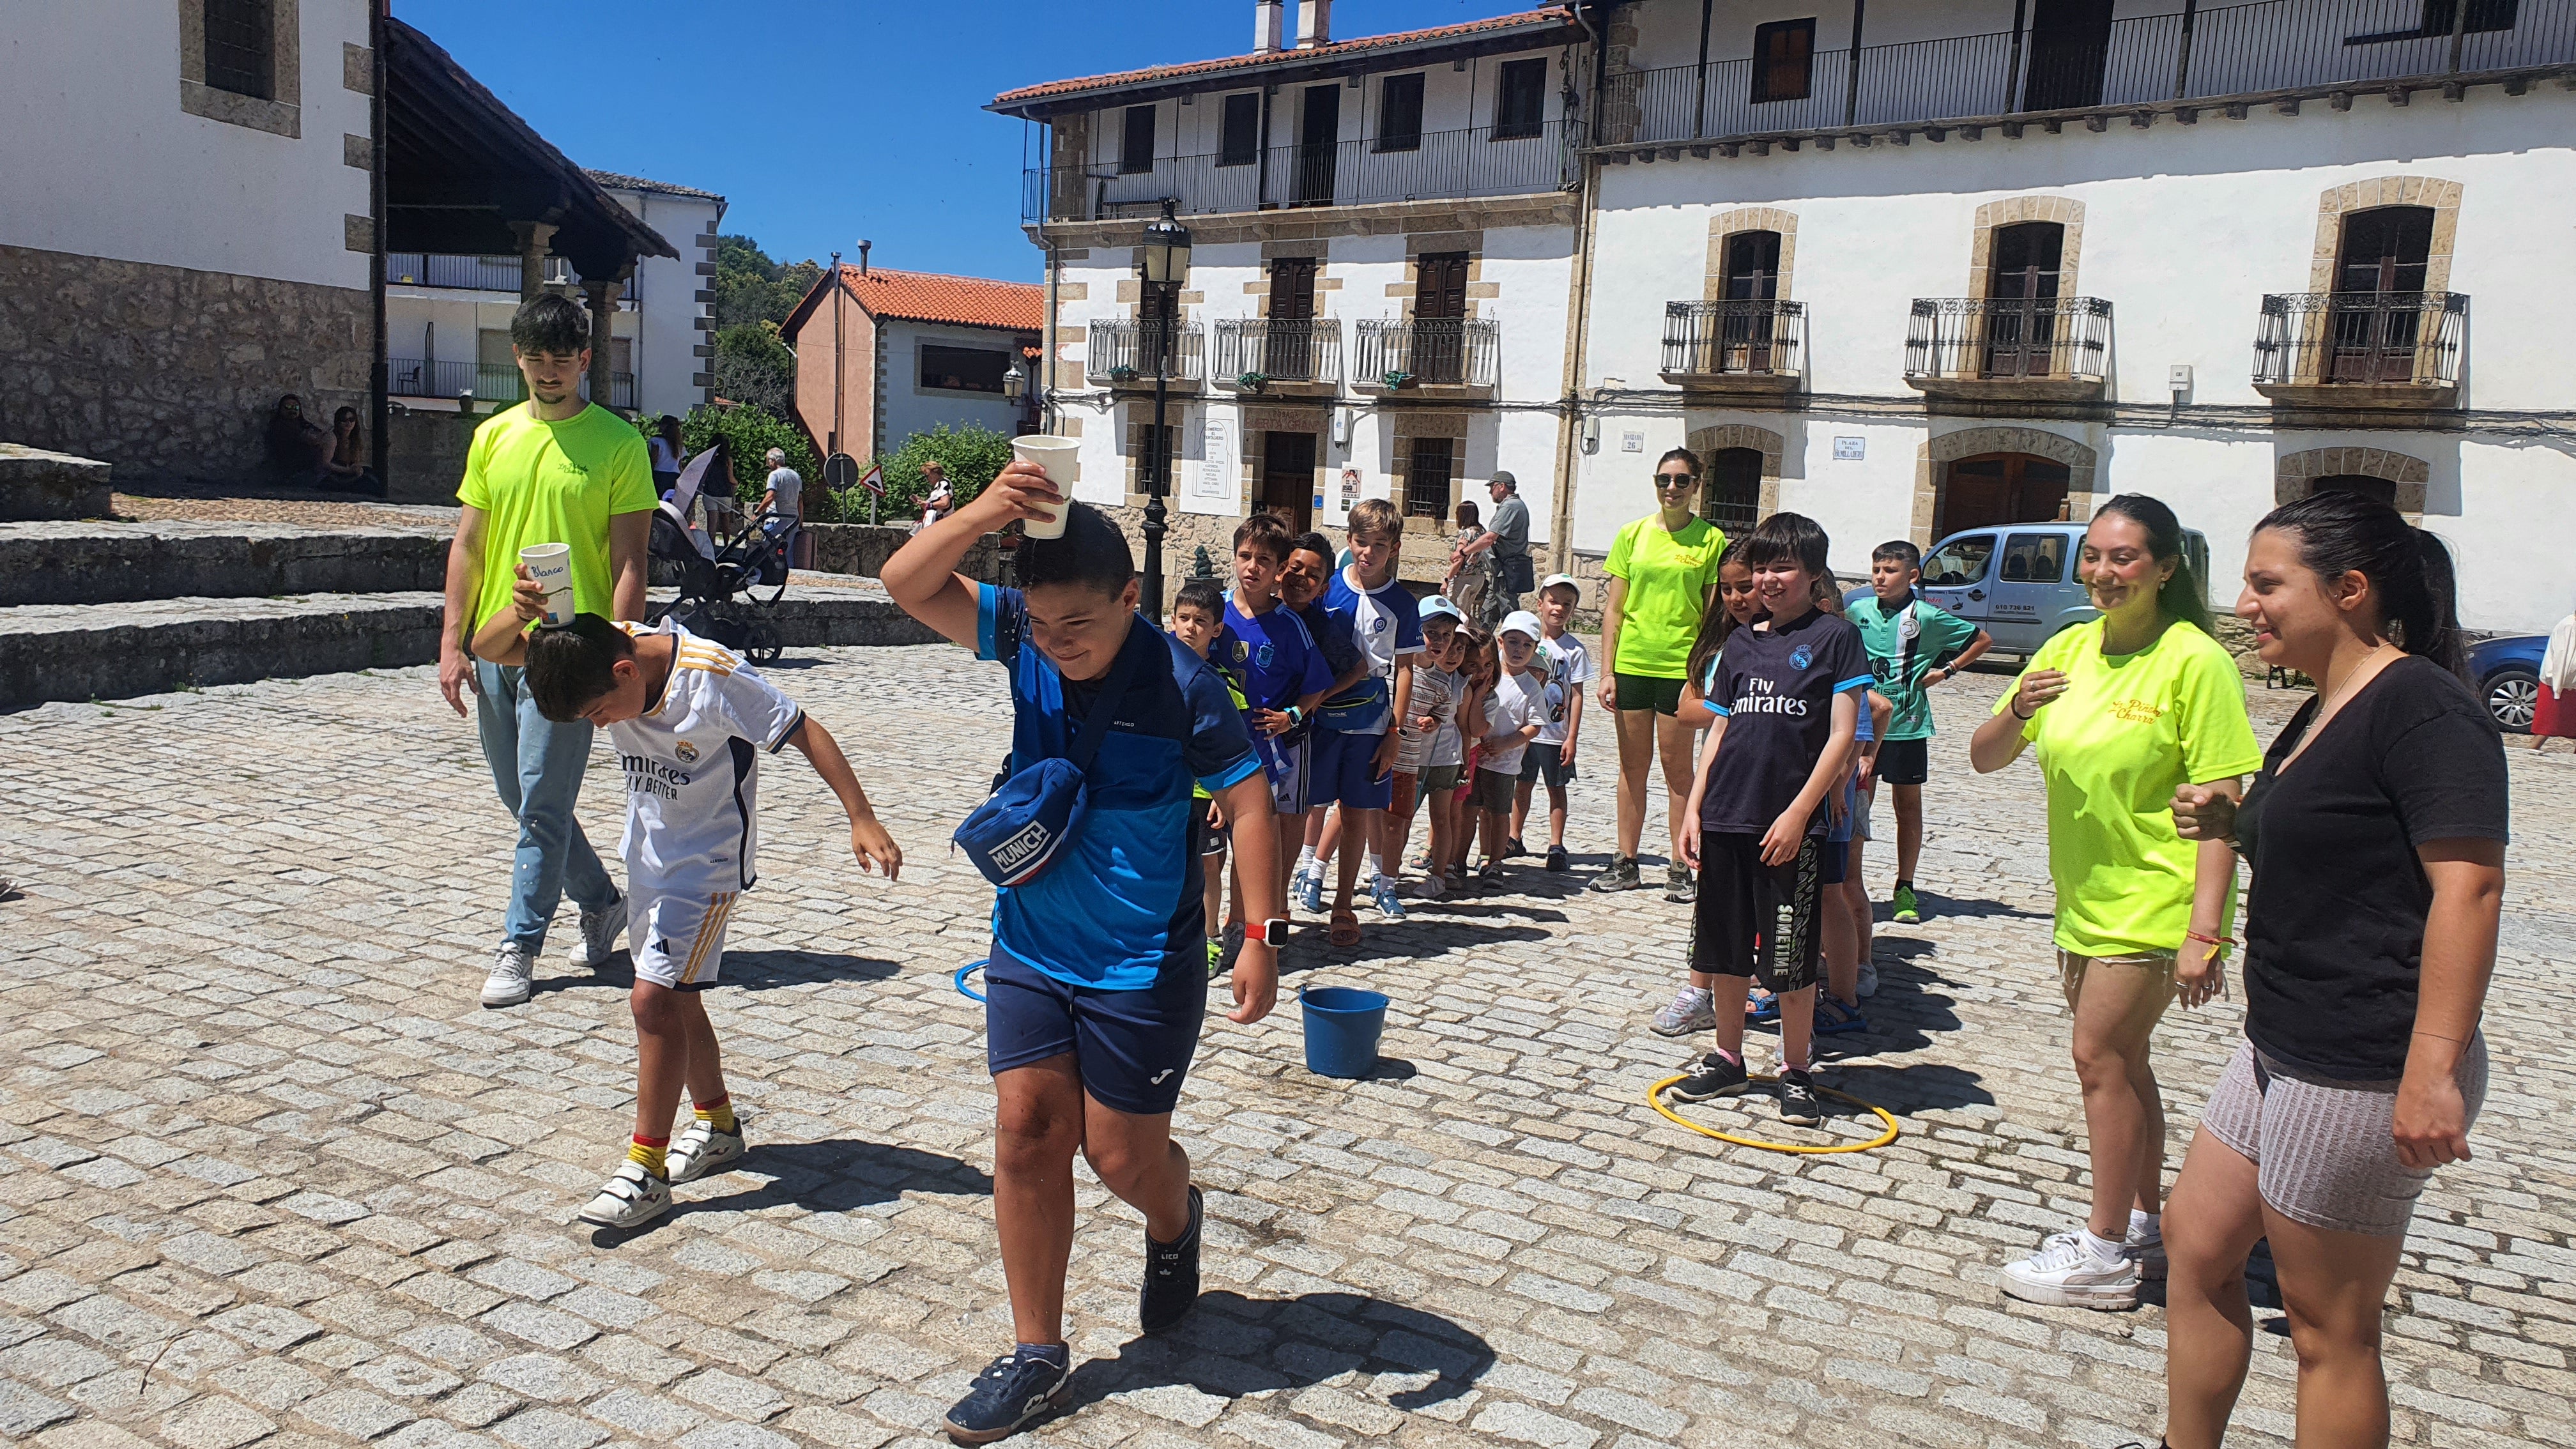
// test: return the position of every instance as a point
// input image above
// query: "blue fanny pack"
(1035, 813)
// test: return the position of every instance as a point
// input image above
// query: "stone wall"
(166, 373)
(37, 484)
(861, 549)
(425, 456)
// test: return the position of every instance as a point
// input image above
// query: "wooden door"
(1999, 488)
(1751, 285)
(1288, 346)
(1288, 478)
(2070, 48)
(1319, 134)
(2377, 313)
(2021, 295)
(1439, 314)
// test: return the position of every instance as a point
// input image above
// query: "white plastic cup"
(551, 565)
(1061, 458)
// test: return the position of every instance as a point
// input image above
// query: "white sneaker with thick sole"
(631, 1196)
(2065, 1274)
(2147, 1253)
(599, 932)
(702, 1149)
(513, 968)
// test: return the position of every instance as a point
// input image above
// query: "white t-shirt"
(1448, 743)
(1569, 668)
(692, 769)
(784, 483)
(666, 459)
(1517, 700)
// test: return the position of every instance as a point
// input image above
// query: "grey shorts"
(1860, 813)
(2323, 1150)
(1436, 778)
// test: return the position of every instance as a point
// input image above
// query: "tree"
(754, 294)
(748, 433)
(970, 455)
(755, 368)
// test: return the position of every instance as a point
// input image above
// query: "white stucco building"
(1908, 268)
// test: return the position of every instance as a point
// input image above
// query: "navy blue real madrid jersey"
(1126, 894)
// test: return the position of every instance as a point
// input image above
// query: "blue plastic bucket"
(1343, 1024)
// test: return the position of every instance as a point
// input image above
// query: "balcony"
(1432, 165)
(1747, 349)
(2008, 349)
(1134, 353)
(470, 273)
(490, 382)
(1289, 358)
(2200, 52)
(1453, 356)
(2361, 349)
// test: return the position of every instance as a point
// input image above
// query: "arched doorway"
(1731, 495)
(2378, 490)
(1994, 488)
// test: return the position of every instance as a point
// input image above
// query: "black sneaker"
(1621, 876)
(1716, 1077)
(1678, 885)
(1798, 1102)
(1012, 1390)
(1512, 847)
(1557, 858)
(1171, 1275)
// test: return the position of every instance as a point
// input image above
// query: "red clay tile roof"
(1547, 14)
(961, 301)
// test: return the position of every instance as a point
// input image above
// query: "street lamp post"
(1165, 259)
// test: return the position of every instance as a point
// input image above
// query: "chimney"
(1314, 23)
(864, 244)
(1267, 18)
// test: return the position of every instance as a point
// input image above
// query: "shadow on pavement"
(1903, 1090)
(1936, 906)
(1234, 1345)
(841, 1174)
(748, 970)
(1385, 940)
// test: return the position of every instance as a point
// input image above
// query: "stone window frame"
(2081, 462)
(2337, 202)
(1723, 228)
(1991, 217)
(1256, 425)
(1131, 447)
(1418, 244)
(2295, 475)
(280, 115)
(1710, 440)
(1406, 424)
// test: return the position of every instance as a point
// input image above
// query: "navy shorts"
(1132, 1049)
(1544, 761)
(1344, 773)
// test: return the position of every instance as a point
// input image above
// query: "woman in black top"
(2376, 836)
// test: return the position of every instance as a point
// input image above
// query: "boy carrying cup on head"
(690, 721)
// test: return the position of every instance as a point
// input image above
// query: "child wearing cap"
(1567, 668)
(1421, 735)
(1509, 717)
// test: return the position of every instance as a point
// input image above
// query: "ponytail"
(2412, 581)
(1714, 622)
(2183, 597)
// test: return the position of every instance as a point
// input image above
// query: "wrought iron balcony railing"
(2008, 339)
(2192, 52)
(1407, 352)
(492, 382)
(1484, 161)
(1750, 340)
(474, 273)
(2330, 340)
(1131, 351)
(1304, 351)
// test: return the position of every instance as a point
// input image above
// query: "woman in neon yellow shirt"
(2125, 709)
(1662, 570)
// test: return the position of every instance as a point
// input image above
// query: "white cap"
(1437, 606)
(1521, 621)
(1552, 580)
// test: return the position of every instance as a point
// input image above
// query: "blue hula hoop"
(970, 993)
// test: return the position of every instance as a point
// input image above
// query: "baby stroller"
(723, 592)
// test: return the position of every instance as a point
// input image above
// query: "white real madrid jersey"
(691, 762)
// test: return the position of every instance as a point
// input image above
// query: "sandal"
(1346, 927)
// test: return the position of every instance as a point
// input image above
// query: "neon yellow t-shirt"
(541, 482)
(1669, 576)
(2113, 747)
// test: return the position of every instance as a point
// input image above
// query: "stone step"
(108, 562)
(120, 650)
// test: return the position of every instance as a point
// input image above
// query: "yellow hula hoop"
(1655, 1099)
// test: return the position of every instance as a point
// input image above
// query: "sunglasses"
(1675, 480)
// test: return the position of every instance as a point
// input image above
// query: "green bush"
(748, 434)
(971, 456)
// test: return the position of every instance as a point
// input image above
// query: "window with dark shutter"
(239, 43)
(1136, 144)
(1239, 130)
(1399, 113)
(1426, 479)
(1784, 55)
(1520, 104)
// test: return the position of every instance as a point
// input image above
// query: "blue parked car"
(2507, 674)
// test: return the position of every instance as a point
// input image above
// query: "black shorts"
(1492, 790)
(1757, 920)
(1545, 762)
(1640, 691)
(1131, 1048)
(1905, 762)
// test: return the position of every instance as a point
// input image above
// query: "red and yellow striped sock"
(717, 1114)
(649, 1151)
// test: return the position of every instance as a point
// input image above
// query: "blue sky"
(825, 122)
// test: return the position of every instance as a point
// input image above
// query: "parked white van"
(2017, 581)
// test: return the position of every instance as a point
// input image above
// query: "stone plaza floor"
(268, 1175)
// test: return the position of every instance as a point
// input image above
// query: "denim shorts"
(1132, 1049)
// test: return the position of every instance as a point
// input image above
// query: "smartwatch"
(1272, 932)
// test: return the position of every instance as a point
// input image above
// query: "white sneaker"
(1692, 1009)
(512, 969)
(701, 1150)
(2147, 1253)
(631, 1196)
(1868, 980)
(2064, 1273)
(599, 932)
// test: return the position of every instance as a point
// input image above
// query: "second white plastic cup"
(1061, 458)
(551, 564)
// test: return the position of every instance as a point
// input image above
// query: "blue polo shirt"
(1127, 896)
(1385, 624)
(1331, 629)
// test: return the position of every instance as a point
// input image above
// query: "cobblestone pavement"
(268, 1175)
